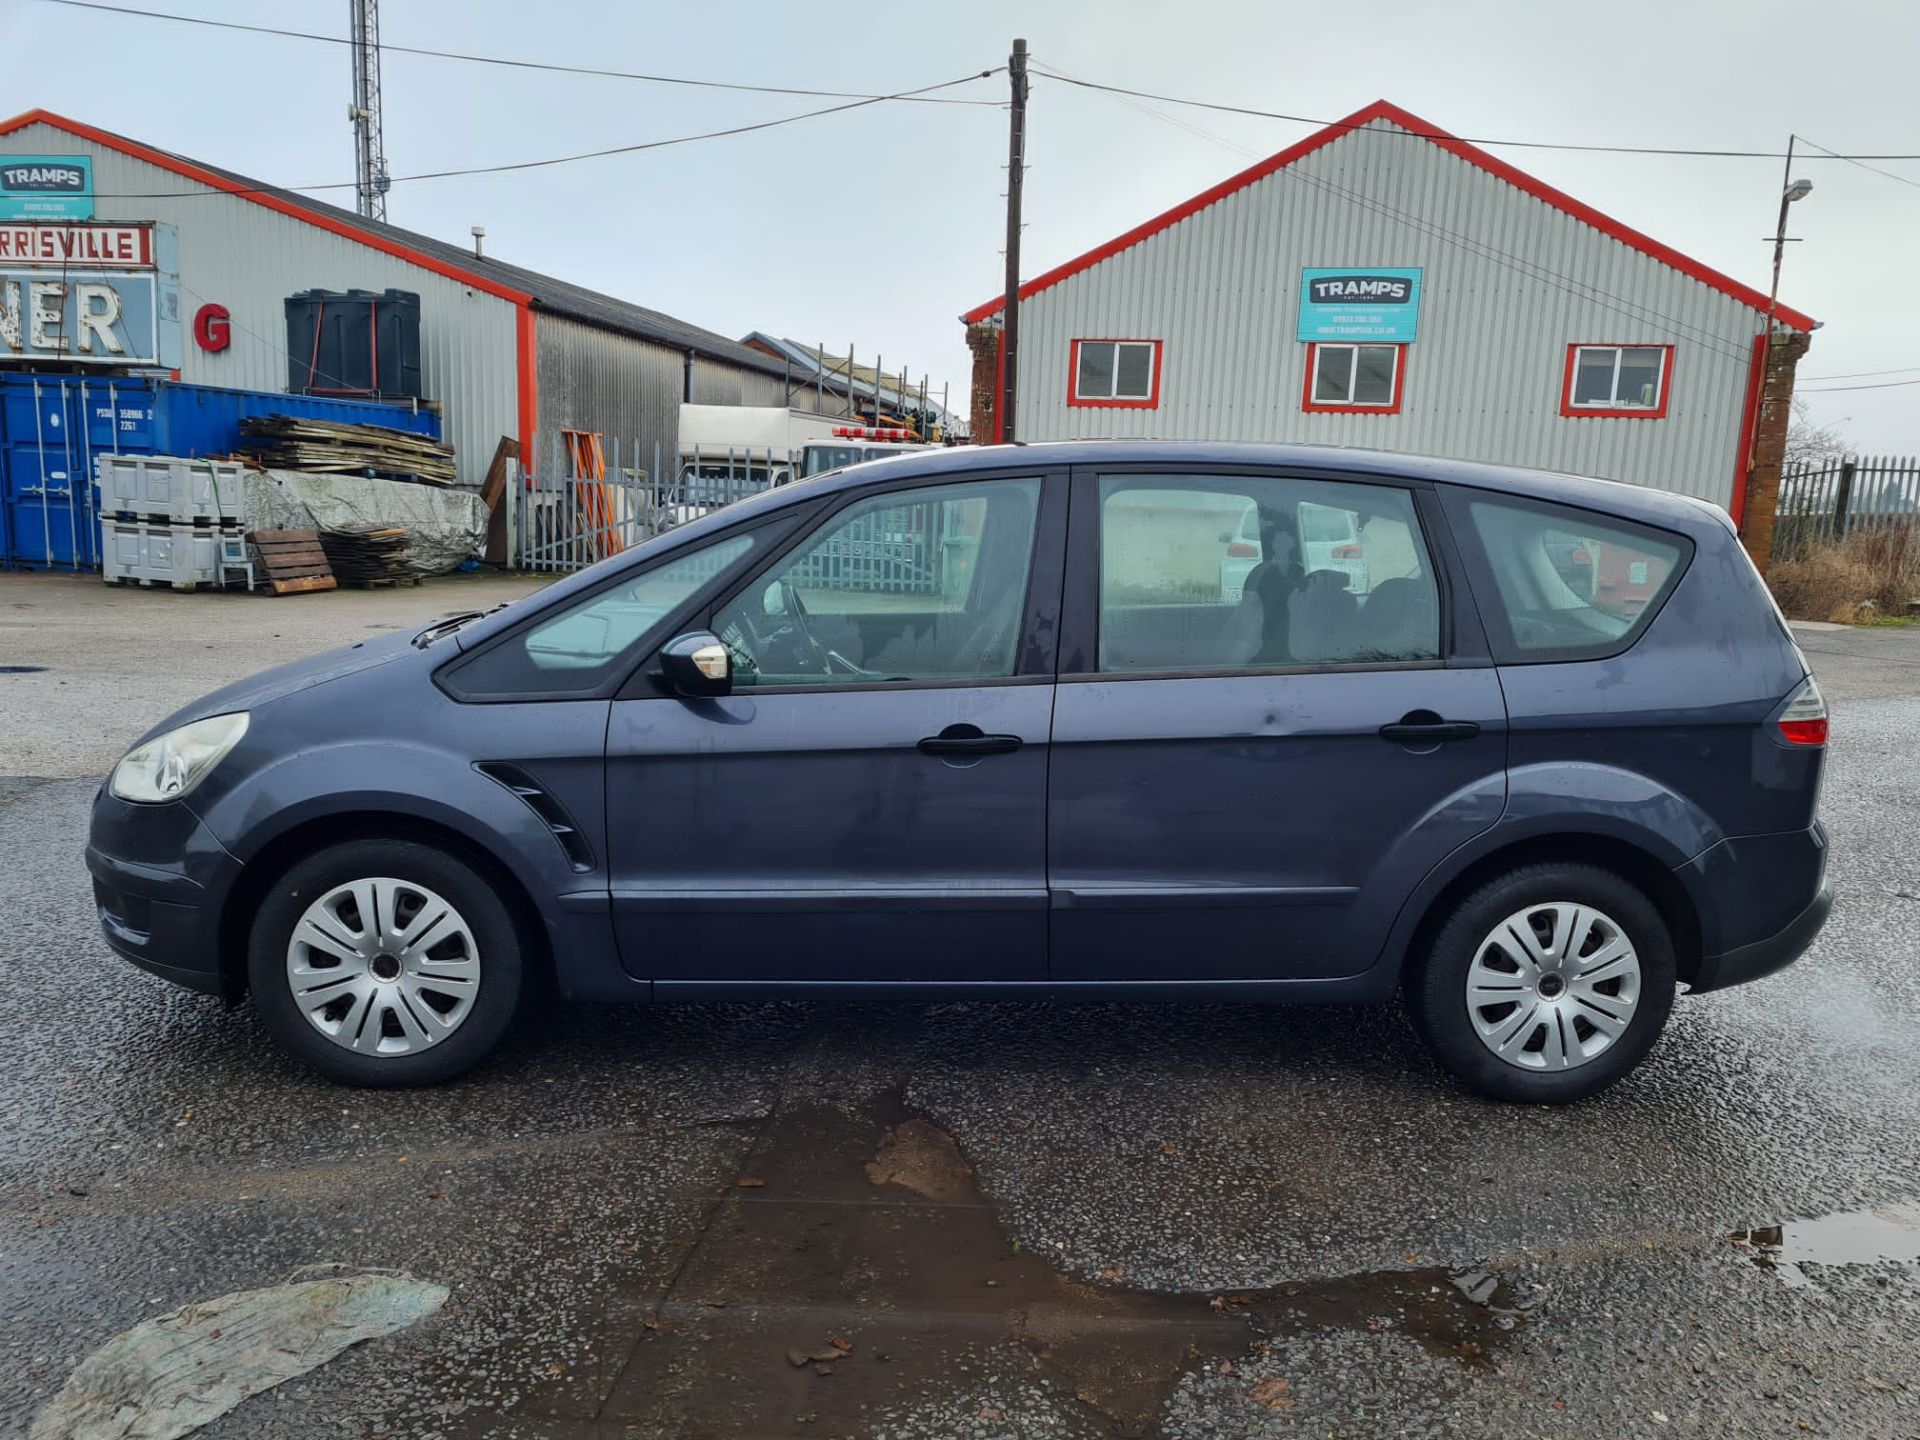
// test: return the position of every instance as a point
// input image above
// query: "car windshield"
(821, 458)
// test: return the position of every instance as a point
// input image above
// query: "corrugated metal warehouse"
(504, 351)
(1382, 284)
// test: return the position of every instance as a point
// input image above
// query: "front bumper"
(159, 880)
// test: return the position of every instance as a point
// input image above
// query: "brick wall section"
(1770, 445)
(984, 341)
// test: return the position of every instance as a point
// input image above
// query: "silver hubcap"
(383, 967)
(1553, 986)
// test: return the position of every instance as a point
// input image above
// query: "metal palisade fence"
(586, 498)
(1828, 500)
(587, 502)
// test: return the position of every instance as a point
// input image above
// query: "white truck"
(734, 450)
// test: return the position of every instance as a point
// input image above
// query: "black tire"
(1436, 990)
(494, 934)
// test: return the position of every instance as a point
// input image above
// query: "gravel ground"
(155, 1149)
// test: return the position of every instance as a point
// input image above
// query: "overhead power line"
(1863, 374)
(514, 165)
(512, 64)
(1065, 79)
(1856, 160)
(1836, 389)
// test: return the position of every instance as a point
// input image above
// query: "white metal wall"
(250, 258)
(1509, 282)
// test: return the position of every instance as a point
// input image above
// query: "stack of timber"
(292, 561)
(286, 442)
(367, 555)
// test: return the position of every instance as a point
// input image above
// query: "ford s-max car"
(986, 722)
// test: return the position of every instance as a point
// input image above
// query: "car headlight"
(170, 765)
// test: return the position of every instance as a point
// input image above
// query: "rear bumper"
(1763, 957)
(1762, 901)
(159, 880)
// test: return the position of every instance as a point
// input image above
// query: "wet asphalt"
(1170, 1220)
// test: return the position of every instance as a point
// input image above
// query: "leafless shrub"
(1868, 574)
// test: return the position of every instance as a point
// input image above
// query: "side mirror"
(697, 664)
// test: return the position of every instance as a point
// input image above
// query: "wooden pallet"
(289, 443)
(293, 561)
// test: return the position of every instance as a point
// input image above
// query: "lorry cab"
(853, 445)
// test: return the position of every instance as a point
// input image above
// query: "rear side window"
(1250, 572)
(1568, 584)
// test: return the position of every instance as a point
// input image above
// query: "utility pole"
(370, 181)
(1016, 172)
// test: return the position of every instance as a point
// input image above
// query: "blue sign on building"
(46, 187)
(1358, 303)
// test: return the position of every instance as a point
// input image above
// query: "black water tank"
(354, 342)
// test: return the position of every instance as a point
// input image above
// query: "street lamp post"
(1790, 191)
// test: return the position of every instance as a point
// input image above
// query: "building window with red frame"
(1115, 373)
(1628, 381)
(1355, 377)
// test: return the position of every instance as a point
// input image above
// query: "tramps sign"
(46, 187)
(1360, 304)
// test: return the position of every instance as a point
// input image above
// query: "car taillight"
(1347, 552)
(1241, 550)
(1803, 719)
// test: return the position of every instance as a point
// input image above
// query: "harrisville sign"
(1360, 304)
(90, 295)
(46, 187)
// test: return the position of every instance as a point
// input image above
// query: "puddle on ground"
(1854, 1237)
(855, 1269)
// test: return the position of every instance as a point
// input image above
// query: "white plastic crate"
(177, 555)
(149, 487)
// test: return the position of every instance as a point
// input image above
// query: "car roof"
(1634, 502)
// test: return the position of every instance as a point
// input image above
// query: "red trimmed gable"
(1472, 154)
(187, 170)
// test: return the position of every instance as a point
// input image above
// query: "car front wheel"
(385, 963)
(1547, 984)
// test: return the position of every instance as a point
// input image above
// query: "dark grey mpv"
(1142, 721)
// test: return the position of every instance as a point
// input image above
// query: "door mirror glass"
(697, 664)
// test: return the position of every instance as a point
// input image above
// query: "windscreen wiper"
(447, 626)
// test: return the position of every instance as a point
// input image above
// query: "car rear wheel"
(1547, 984)
(385, 963)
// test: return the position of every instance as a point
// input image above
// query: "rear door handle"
(1418, 731)
(968, 740)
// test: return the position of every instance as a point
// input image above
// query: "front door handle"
(968, 740)
(1424, 727)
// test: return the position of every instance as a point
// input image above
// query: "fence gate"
(587, 498)
(1832, 499)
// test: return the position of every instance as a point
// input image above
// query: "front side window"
(1116, 372)
(1354, 377)
(1570, 585)
(1236, 572)
(588, 643)
(1619, 380)
(915, 585)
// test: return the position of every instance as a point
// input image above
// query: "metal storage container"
(178, 555)
(52, 428)
(156, 487)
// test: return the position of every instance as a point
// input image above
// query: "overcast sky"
(878, 226)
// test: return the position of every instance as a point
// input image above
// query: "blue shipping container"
(51, 427)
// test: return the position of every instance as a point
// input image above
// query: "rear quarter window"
(1557, 583)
